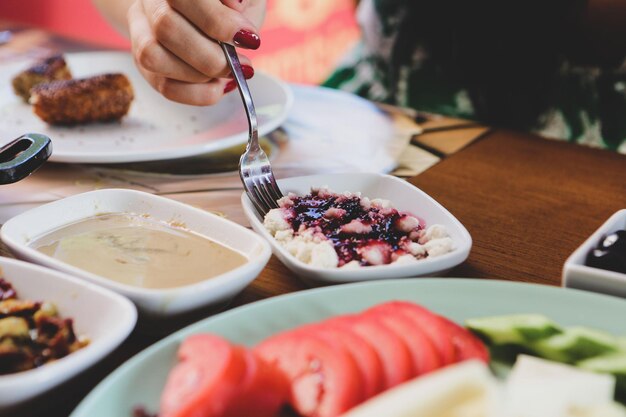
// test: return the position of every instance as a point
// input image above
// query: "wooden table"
(527, 202)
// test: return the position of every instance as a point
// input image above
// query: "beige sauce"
(136, 251)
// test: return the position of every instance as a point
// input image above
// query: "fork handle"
(244, 91)
(22, 156)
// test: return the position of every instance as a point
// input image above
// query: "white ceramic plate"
(102, 316)
(18, 232)
(578, 275)
(155, 128)
(335, 131)
(403, 196)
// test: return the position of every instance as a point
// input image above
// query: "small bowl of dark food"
(599, 264)
(610, 253)
(52, 327)
(33, 333)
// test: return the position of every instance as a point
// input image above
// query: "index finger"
(219, 22)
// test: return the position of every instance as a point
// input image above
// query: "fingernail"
(248, 71)
(230, 86)
(247, 39)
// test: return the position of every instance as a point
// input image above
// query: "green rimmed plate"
(140, 380)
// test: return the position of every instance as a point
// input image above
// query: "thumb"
(252, 9)
(238, 5)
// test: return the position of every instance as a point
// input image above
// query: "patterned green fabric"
(588, 106)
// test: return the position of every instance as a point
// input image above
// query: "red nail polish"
(247, 39)
(230, 86)
(248, 71)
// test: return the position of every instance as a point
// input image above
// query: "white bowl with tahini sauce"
(167, 257)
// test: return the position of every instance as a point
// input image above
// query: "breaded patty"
(101, 98)
(50, 69)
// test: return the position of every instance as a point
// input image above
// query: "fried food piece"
(14, 327)
(50, 69)
(101, 98)
(18, 307)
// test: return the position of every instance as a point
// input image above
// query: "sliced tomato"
(466, 344)
(393, 353)
(205, 380)
(324, 378)
(430, 323)
(425, 356)
(263, 390)
(365, 357)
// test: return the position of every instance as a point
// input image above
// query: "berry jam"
(352, 224)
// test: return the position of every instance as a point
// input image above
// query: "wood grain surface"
(528, 202)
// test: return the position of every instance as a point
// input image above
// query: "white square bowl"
(21, 230)
(403, 196)
(578, 275)
(102, 316)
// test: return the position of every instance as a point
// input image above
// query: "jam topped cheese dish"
(346, 230)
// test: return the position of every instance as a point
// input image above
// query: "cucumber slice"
(575, 344)
(613, 363)
(515, 329)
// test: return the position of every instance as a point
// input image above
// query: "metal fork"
(254, 166)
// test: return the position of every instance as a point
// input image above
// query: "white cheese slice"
(541, 388)
(464, 390)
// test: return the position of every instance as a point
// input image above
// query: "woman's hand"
(174, 44)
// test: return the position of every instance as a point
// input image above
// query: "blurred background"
(302, 39)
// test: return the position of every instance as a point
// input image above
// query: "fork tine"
(253, 195)
(260, 202)
(262, 190)
(253, 198)
(272, 189)
(254, 187)
(275, 192)
(266, 191)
